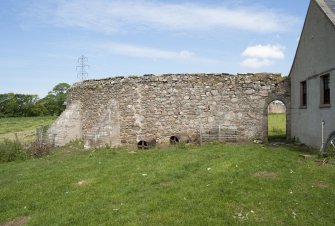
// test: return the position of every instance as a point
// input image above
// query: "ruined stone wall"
(125, 110)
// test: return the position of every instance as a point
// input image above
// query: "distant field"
(24, 126)
(277, 126)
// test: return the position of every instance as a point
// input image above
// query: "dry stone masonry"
(156, 108)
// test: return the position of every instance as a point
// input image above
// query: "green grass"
(277, 126)
(11, 150)
(24, 126)
(192, 185)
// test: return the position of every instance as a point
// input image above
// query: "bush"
(11, 151)
(37, 149)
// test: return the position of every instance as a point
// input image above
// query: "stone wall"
(125, 110)
(67, 127)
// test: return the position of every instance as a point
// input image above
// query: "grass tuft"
(11, 151)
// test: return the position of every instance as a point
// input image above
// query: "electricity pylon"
(81, 68)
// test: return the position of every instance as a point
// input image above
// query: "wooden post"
(219, 138)
(16, 137)
(200, 135)
(54, 140)
(37, 135)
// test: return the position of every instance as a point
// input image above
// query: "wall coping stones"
(176, 78)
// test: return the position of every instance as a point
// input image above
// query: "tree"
(39, 109)
(54, 102)
(12, 105)
(26, 104)
(8, 105)
(60, 88)
(18, 105)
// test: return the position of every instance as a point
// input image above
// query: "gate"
(221, 133)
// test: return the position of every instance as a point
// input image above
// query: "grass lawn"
(276, 126)
(25, 127)
(212, 184)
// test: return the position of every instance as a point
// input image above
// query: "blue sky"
(41, 40)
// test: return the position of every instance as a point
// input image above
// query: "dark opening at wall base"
(174, 140)
(142, 144)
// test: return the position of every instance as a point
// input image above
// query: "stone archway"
(287, 102)
(276, 121)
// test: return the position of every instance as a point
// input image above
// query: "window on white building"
(303, 94)
(325, 90)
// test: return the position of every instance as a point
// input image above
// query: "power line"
(81, 68)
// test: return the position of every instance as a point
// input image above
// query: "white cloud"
(264, 51)
(256, 63)
(154, 53)
(260, 56)
(128, 15)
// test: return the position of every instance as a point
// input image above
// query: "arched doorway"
(277, 122)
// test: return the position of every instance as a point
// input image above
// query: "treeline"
(22, 105)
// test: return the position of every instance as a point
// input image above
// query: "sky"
(41, 40)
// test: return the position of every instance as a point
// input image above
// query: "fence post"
(16, 137)
(200, 135)
(54, 140)
(322, 134)
(37, 135)
(219, 135)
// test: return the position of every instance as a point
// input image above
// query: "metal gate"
(221, 133)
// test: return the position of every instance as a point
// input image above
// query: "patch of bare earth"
(321, 162)
(165, 183)
(85, 182)
(19, 221)
(265, 174)
(82, 182)
(322, 184)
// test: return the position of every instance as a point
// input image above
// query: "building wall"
(315, 57)
(123, 111)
